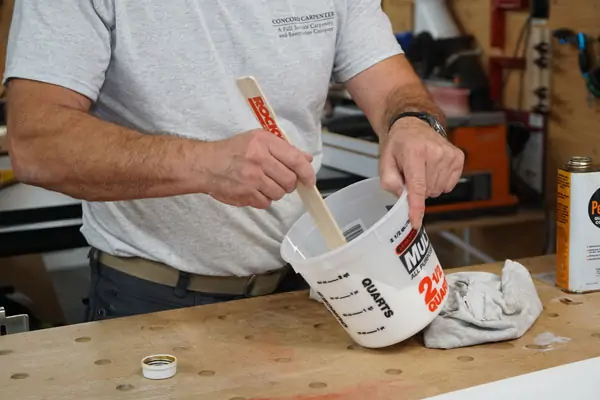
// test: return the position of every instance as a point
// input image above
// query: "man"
(133, 108)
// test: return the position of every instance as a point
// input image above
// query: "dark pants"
(115, 294)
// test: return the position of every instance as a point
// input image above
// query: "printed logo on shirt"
(305, 25)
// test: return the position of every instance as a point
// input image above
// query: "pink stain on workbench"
(382, 390)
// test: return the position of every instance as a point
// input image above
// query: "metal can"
(578, 226)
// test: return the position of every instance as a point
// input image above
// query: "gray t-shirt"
(170, 66)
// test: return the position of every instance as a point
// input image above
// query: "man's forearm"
(389, 88)
(409, 98)
(72, 152)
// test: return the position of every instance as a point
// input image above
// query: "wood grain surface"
(283, 347)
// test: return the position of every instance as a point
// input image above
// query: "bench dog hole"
(317, 385)
(83, 339)
(19, 376)
(569, 302)
(5, 352)
(124, 388)
(319, 325)
(596, 335)
(553, 315)
(104, 361)
(206, 372)
(283, 360)
(537, 346)
(156, 328)
(465, 358)
(393, 371)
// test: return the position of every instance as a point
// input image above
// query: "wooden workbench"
(279, 347)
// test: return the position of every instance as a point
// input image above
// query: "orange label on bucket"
(434, 287)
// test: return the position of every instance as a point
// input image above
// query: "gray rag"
(483, 307)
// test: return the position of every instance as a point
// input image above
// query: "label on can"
(594, 208)
(577, 234)
(563, 209)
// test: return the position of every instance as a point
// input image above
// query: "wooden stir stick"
(312, 199)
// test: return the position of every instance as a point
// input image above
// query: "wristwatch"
(430, 119)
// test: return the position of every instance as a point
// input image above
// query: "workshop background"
(509, 86)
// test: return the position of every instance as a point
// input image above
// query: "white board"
(580, 380)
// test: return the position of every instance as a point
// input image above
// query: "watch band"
(430, 119)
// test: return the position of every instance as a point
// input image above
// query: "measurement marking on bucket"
(344, 297)
(373, 331)
(364, 310)
(339, 278)
(331, 310)
(400, 232)
(377, 297)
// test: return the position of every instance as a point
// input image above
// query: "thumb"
(389, 175)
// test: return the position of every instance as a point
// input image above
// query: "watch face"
(434, 123)
(441, 129)
(430, 119)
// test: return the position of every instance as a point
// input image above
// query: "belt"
(249, 286)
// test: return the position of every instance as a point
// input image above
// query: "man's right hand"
(256, 168)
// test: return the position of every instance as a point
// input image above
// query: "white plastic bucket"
(386, 284)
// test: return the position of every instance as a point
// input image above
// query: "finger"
(260, 201)
(295, 160)
(453, 180)
(438, 183)
(389, 175)
(434, 166)
(270, 189)
(280, 174)
(456, 172)
(414, 168)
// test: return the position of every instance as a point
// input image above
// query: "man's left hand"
(415, 156)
